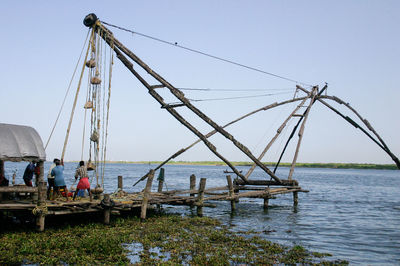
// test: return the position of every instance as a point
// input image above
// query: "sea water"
(352, 214)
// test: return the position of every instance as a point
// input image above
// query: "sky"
(351, 45)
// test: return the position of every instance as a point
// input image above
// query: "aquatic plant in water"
(161, 239)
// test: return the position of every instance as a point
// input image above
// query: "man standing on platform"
(28, 174)
(50, 179)
(58, 173)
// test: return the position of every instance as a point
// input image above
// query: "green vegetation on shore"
(306, 165)
(165, 239)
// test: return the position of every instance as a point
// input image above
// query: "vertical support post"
(146, 194)
(41, 203)
(107, 211)
(192, 184)
(160, 178)
(266, 199)
(200, 196)
(231, 192)
(295, 198)
(120, 182)
(160, 185)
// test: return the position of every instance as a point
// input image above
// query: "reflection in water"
(353, 214)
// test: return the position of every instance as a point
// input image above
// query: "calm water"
(353, 214)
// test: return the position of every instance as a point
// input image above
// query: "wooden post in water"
(120, 182)
(295, 198)
(107, 210)
(146, 194)
(192, 184)
(160, 178)
(41, 202)
(200, 196)
(266, 200)
(231, 192)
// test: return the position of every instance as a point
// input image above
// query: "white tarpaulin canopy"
(20, 143)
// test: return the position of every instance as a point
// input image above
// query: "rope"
(66, 94)
(108, 104)
(74, 105)
(40, 210)
(175, 44)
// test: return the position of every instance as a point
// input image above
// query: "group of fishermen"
(55, 178)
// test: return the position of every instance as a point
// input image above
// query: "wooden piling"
(231, 192)
(192, 184)
(266, 201)
(146, 195)
(107, 210)
(120, 182)
(295, 198)
(200, 196)
(41, 206)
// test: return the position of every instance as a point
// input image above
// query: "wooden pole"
(200, 196)
(41, 203)
(231, 192)
(295, 198)
(266, 199)
(301, 131)
(192, 184)
(107, 210)
(74, 105)
(211, 133)
(146, 194)
(278, 132)
(120, 182)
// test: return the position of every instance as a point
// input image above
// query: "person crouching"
(81, 172)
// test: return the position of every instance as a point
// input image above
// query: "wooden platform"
(122, 201)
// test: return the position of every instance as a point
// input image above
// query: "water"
(352, 214)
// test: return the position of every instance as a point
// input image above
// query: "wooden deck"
(122, 201)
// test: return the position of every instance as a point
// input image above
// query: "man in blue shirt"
(58, 173)
(28, 174)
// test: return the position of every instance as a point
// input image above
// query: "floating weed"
(162, 239)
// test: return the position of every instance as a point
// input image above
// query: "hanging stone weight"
(90, 20)
(95, 80)
(90, 166)
(91, 63)
(88, 105)
(94, 137)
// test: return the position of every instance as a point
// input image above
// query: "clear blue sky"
(352, 45)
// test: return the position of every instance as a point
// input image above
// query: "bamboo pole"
(200, 197)
(146, 195)
(211, 133)
(74, 105)
(301, 131)
(278, 132)
(382, 144)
